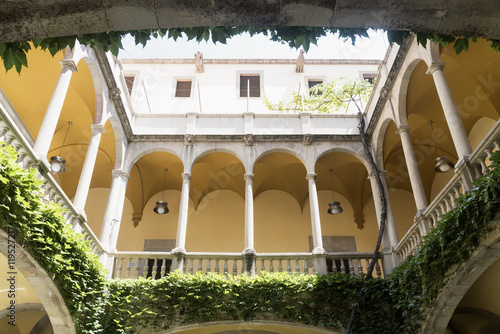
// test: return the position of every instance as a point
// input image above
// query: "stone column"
(453, 119)
(180, 248)
(112, 217)
(51, 117)
(390, 237)
(114, 209)
(249, 251)
(319, 252)
(88, 168)
(411, 163)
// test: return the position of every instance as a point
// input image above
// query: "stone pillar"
(453, 119)
(411, 163)
(112, 216)
(249, 251)
(390, 237)
(51, 117)
(88, 168)
(179, 251)
(114, 209)
(319, 253)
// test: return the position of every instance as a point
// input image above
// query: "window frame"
(183, 78)
(260, 74)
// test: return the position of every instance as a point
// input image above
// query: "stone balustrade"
(158, 264)
(469, 169)
(51, 191)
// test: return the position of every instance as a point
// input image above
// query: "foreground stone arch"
(44, 287)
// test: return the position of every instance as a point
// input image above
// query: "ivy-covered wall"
(396, 304)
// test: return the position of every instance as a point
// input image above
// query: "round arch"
(216, 150)
(44, 287)
(279, 150)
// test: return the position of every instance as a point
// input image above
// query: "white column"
(390, 236)
(411, 163)
(51, 117)
(249, 239)
(183, 214)
(88, 167)
(453, 119)
(315, 220)
(114, 210)
(391, 222)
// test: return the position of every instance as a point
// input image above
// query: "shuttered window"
(183, 88)
(254, 81)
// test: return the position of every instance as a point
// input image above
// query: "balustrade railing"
(475, 165)
(50, 189)
(159, 264)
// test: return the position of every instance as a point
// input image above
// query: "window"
(129, 81)
(313, 82)
(254, 81)
(370, 77)
(183, 88)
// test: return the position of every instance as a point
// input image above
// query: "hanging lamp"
(334, 207)
(441, 164)
(57, 163)
(161, 207)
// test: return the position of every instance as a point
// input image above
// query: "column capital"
(97, 128)
(403, 128)
(381, 173)
(434, 66)
(186, 176)
(69, 63)
(310, 176)
(248, 177)
(120, 173)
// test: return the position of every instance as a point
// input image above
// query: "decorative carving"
(188, 140)
(136, 218)
(69, 63)
(385, 92)
(248, 138)
(403, 128)
(114, 92)
(299, 66)
(97, 128)
(198, 60)
(359, 219)
(120, 173)
(307, 140)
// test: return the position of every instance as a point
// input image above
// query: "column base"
(178, 259)
(249, 263)
(319, 260)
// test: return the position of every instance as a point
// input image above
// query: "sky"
(258, 47)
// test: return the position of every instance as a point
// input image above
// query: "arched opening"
(280, 191)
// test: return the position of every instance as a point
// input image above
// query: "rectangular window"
(313, 82)
(370, 78)
(254, 81)
(183, 88)
(129, 80)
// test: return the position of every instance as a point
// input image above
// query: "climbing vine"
(333, 96)
(14, 54)
(396, 304)
(40, 229)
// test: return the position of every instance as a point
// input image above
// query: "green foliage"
(396, 304)
(416, 283)
(334, 96)
(14, 53)
(41, 230)
(180, 299)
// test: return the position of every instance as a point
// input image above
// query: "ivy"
(14, 54)
(396, 304)
(41, 231)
